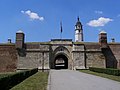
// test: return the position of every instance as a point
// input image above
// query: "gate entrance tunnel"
(61, 62)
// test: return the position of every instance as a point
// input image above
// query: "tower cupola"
(78, 24)
(78, 31)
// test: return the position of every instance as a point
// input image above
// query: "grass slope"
(6, 74)
(37, 81)
(116, 78)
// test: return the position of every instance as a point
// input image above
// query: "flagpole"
(60, 35)
(61, 30)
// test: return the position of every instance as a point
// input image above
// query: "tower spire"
(78, 18)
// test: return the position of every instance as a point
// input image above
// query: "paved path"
(74, 80)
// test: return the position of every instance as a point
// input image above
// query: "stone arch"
(61, 61)
(63, 54)
(61, 49)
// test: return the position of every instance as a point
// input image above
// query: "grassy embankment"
(116, 78)
(37, 81)
(6, 74)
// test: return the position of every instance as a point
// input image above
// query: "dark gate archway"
(61, 62)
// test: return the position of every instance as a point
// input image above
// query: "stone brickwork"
(78, 56)
(37, 56)
(42, 55)
(115, 49)
(19, 39)
(33, 60)
(78, 60)
(94, 55)
(8, 58)
(95, 59)
(59, 46)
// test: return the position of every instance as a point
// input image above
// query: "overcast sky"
(40, 19)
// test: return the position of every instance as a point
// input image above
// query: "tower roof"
(78, 22)
(20, 31)
(102, 31)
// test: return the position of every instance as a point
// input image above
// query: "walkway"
(74, 80)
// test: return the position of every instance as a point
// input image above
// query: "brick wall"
(115, 48)
(8, 58)
(36, 56)
(95, 59)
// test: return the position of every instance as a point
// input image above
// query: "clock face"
(77, 31)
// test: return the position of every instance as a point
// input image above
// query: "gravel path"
(75, 80)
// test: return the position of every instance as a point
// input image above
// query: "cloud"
(33, 15)
(98, 12)
(118, 15)
(99, 22)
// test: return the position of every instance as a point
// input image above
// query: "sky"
(40, 19)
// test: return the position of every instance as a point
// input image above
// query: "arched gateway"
(61, 62)
(60, 58)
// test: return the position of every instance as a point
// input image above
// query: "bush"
(11, 80)
(110, 71)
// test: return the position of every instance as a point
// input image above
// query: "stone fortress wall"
(8, 58)
(81, 55)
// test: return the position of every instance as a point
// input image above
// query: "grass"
(6, 74)
(37, 81)
(116, 78)
(3, 75)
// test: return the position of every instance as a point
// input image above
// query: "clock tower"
(78, 31)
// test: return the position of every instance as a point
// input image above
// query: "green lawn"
(37, 81)
(116, 78)
(5, 74)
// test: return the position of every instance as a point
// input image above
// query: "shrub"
(11, 80)
(110, 71)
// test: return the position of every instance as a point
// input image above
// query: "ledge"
(61, 40)
(7, 44)
(36, 50)
(38, 43)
